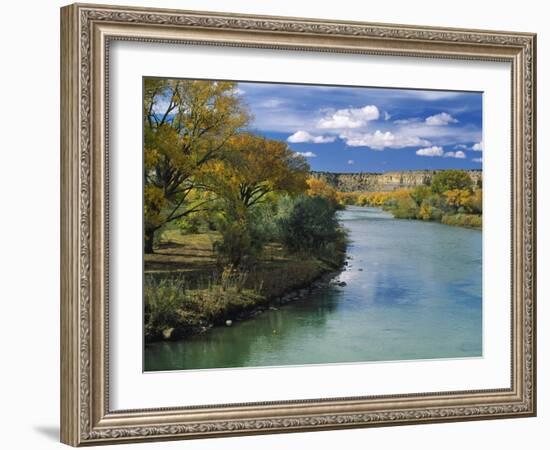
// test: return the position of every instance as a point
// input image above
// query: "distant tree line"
(451, 197)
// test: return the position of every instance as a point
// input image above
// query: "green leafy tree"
(311, 224)
(420, 193)
(451, 179)
(254, 170)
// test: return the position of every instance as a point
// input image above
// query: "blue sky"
(357, 129)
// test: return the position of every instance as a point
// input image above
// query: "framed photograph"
(276, 224)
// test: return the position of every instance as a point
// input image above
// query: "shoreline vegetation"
(202, 274)
(202, 294)
(451, 197)
(235, 223)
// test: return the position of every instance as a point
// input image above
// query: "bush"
(244, 237)
(363, 200)
(163, 300)
(463, 220)
(237, 247)
(189, 224)
(310, 225)
(262, 223)
(425, 212)
(474, 204)
(170, 304)
(405, 208)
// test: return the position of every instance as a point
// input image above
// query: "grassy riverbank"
(187, 291)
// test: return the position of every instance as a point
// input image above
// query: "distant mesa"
(384, 182)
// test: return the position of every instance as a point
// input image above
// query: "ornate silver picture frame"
(87, 32)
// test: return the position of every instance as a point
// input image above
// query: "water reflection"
(413, 290)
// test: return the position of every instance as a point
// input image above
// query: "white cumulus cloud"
(430, 151)
(379, 140)
(351, 162)
(306, 154)
(304, 136)
(440, 119)
(478, 160)
(458, 154)
(350, 117)
(478, 147)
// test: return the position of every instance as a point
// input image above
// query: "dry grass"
(179, 252)
(186, 289)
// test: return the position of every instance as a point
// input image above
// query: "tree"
(319, 187)
(474, 203)
(310, 225)
(420, 193)
(457, 198)
(451, 179)
(187, 124)
(255, 167)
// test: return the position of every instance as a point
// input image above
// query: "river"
(412, 291)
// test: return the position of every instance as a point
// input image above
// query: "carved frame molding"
(86, 32)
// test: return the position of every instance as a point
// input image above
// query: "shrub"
(310, 225)
(405, 208)
(262, 223)
(346, 198)
(474, 204)
(363, 200)
(170, 304)
(244, 236)
(425, 212)
(463, 220)
(436, 214)
(189, 224)
(236, 246)
(317, 187)
(163, 300)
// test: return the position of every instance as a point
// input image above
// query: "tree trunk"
(149, 239)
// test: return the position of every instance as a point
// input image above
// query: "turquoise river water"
(413, 291)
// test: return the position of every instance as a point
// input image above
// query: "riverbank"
(461, 209)
(409, 210)
(451, 197)
(462, 220)
(187, 293)
(411, 290)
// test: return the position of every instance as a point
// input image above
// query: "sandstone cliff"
(388, 181)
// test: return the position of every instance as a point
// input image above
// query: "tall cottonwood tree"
(254, 167)
(187, 125)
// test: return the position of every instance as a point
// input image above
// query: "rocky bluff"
(384, 182)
